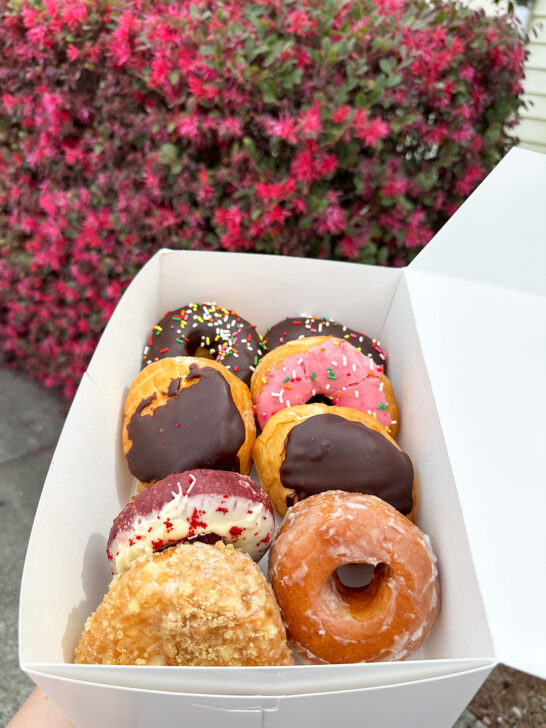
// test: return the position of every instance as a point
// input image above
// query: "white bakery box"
(465, 329)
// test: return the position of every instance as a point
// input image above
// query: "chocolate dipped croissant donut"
(183, 413)
(313, 448)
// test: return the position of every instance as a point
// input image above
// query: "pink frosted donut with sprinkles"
(196, 505)
(322, 369)
(209, 331)
(301, 327)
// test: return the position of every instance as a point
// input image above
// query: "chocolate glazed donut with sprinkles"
(209, 331)
(302, 327)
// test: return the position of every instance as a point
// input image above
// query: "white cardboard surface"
(433, 703)
(438, 510)
(485, 350)
(499, 235)
(264, 681)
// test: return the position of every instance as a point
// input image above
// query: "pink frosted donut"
(204, 505)
(322, 368)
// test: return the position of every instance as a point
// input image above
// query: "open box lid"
(499, 235)
(478, 293)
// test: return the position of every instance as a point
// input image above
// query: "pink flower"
(370, 131)
(333, 218)
(299, 23)
(276, 215)
(309, 122)
(350, 247)
(201, 90)
(9, 101)
(340, 114)
(188, 126)
(285, 128)
(469, 180)
(395, 186)
(159, 71)
(230, 128)
(467, 72)
(276, 191)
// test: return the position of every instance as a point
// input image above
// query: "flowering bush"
(346, 129)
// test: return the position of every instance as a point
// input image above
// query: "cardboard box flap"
(292, 680)
(485, 350)
(499, 235)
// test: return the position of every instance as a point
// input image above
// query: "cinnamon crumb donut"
(192, 604)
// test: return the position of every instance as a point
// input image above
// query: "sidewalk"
(30, 424)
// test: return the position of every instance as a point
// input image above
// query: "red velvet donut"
(204, 505)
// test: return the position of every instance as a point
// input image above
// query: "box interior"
(88, 482)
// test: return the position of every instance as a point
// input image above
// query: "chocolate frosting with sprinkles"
(301, 328)
(328, 452)
(197, 427)
(204, 329)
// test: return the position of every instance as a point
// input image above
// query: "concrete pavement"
(31, 420)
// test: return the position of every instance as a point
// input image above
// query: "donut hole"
(195, 347)
(355, 576)
(203, 353)
(358, 585)
(320, 399)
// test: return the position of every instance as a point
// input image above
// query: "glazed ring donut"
(209, 331)
(328, 622)
(301, 327)
(312, 448)
(183, 413)
(198, 505)
(192, 604)
(322, 368)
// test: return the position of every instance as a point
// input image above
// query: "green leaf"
(249, 145)
(360, 101)
(393, 81)
(387, 65)
(167, 153)
(382, 254)
(269, 92)
(374, 96)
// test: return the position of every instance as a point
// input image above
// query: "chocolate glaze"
(174, 386)
(328, 452)
(304, 326)
(232, 340)
(199, 426)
